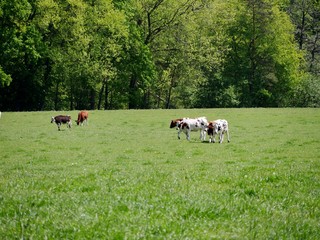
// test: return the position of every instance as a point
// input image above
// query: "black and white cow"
(193, 125)
(220, 127)
(61, 119)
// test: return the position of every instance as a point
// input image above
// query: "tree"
(111, 54)
(21, 48)
(213, 45)
(177, 50)
(305, 15)
(264, 63)
(108, 40)
(83, 46)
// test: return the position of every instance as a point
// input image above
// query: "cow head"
(175, 122)
(52, 119)
(203, 121)
(210, 128)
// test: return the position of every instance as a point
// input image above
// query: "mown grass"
(127, 176)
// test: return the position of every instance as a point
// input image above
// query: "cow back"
(62, 119)
(82, 116)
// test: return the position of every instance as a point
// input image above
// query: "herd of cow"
(186, 125)
(66, 119)
(213, 128)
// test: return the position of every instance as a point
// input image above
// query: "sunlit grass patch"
(132, 178)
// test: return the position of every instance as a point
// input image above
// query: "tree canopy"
(128, 54)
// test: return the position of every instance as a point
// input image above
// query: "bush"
(307, 93)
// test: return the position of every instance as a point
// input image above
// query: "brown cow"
(61, 119)
(82, 117)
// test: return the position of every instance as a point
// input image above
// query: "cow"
(61, 119)
(190, 124)
(175, 122)
(220, 127)
(82, 117)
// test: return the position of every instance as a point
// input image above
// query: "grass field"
(127, 176)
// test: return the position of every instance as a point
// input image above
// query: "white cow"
(216, 127)
(191, 124)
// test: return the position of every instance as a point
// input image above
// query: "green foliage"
(21, 50)
(264, 54)
(137, 69)
(111, 54)
(5, 79)
(117, 179)
(307, 93)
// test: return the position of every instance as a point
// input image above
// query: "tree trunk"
(313, 52)
(133, 93)
(252, 57)
(56, 96)
(169, 95)
(100, 97)
(106, 96)
(92, 98)
(302, 29)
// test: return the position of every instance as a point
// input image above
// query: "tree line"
(130, 54)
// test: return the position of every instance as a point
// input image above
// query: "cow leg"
(214, 137)
(179, 133)
(202, 135)
(221, 137)
(58, 124)
(228, 136)
(188, 135)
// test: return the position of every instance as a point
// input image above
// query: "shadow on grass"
(207, 142)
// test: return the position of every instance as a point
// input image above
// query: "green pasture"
(127, 176)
